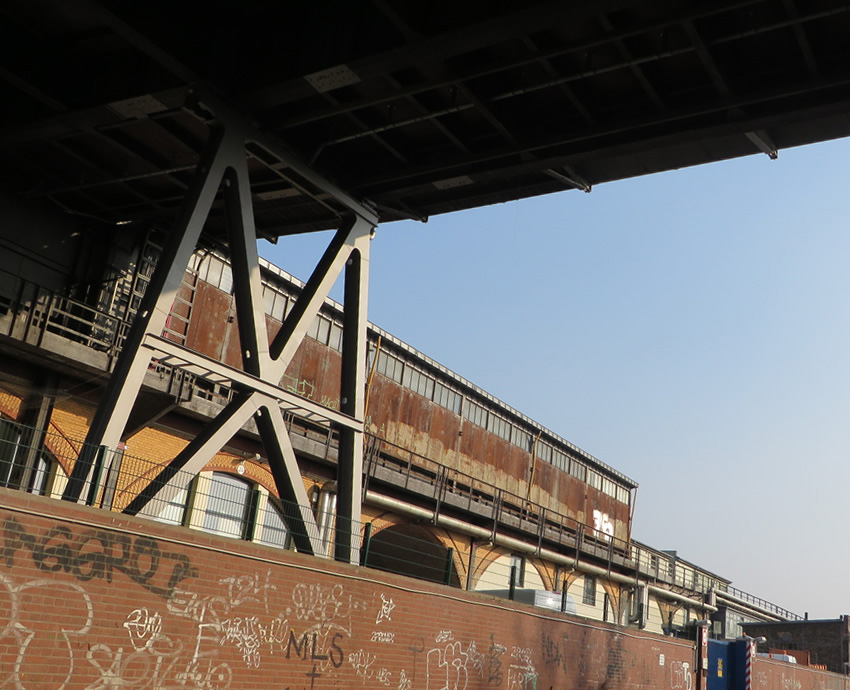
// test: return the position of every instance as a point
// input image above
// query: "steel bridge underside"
(259, 120)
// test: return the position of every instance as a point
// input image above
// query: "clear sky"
(690, 328)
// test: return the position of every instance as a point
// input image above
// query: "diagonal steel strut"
(224, 165)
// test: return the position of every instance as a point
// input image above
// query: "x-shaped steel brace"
(257, 390)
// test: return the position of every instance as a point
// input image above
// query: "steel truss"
(258, 395)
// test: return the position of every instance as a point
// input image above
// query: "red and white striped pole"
(748, 664)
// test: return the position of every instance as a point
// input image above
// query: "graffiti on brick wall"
(182, 631)
(495, 672)
(680, 675)
(521, 673)
(98, 554)
(35, 635)
(553, 650)
(790, 683)
(451, 664)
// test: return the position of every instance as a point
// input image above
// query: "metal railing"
(231, 506)
(763, 604)
(30, 312)
(451, 489)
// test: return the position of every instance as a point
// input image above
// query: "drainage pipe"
(517, 545)
(325, 513)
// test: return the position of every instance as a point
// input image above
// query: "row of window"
(396, 370)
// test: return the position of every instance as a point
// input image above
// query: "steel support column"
(259, 395)
(352, 401)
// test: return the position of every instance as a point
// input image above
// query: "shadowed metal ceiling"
(420, 107)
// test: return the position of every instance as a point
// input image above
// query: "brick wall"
(94, 600)
(827, 641)
(90, 599)
(778, 675)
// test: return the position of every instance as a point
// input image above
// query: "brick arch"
(668, 610)
(254, 472)
(545, 570)
(399, 546)
(485, 556)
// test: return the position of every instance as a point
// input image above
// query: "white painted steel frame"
(258, 394)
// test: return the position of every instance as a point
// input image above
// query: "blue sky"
(690, 328)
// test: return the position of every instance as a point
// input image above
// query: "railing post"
(98, 472)
(447, 576)
(364, 546)
(252, 509)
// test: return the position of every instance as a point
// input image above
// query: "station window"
(172, 510)
(594, 479)
(14, 447)
(389, 366)
(216, 272)
(228, 506)
(623, 494)
(475, 413)
(335, 337)
(589, 594)
(447, 398)
(578, 470)
(418, 382)
(544, 452)
(274, 303)
(500, 427)
(608, 487)
(560, 460)
(273, 530)
(522, 439)
(323, 330)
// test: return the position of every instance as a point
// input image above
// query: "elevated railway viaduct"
(144, 149)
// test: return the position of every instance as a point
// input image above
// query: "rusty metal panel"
(416, 416)
(385, 408)
(314, 373)
(231, 351)
(473, 446)
(444, 437)
(518, 463)
(311, 375)
(209, 319)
